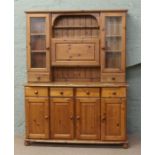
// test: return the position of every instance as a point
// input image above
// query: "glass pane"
(113, 43)
(38, 59)
(113, 60)
(37, 25)
(38, 42)
(114, 25)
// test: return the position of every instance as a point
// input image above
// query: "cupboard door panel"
(62, 117)
(75, 52)
(88, 118)
(37, 118)
(113, 119)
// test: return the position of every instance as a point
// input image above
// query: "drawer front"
(113, 78)
(36, 91)
(38, 77)
(87, 92)
(113, 92)
(67, 92)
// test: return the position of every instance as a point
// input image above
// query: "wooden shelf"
(37, 34)
(75, 27)
(38, 51)
(113, 35)
(113, 50)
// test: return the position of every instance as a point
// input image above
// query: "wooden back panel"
(76, 74)
(70, 26)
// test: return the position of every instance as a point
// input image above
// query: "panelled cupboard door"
(62, 117)
(113, 40)
(88, 119)
(37, 118)
(113, 111)
(38, 44)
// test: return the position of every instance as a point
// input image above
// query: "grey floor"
(59, 149)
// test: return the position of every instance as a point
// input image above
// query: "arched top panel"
(70, 26)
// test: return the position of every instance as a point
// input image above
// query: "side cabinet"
(37, 112)
(38, 47)
(113, 114)
(37, 118)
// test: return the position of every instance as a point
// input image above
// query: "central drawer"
(87, 92)
(66, 92)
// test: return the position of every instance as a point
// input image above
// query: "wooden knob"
(114, 93)
(61, 93)
(103, 119)
(47, 48)
(36, 92)
(103, 48)
(113, 78)
(88, 93)
(117, 124)
(46, 117)
(71, 117)
(38, 77)
(78, 117)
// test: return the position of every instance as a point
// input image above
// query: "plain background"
(7, 77)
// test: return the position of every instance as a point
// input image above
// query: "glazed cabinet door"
(113, 27)
(37, 118)
(62, 117)
(113, 117)
(88, 118)
(38, 44)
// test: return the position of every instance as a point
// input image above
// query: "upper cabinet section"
(38, 42)
(75, 25)
(61, 42)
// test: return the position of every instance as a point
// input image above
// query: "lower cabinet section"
(101, 118)
(37, 118)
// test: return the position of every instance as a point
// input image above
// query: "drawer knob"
(113, 78)
(61, 93)
(114, 93)
(46, 117)
(103, 119)
(71, 117)
(38, 77)
(78, 117)
(117, 124)
(36, 92)
(88, 93)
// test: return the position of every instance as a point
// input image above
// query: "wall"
(133, 50)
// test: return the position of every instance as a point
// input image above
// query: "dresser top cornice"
(75, 11)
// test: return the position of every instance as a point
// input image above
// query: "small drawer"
(113, 92)
(113, 78)
(66, 92)
(87, 92)
(36, 91)
(38, 77)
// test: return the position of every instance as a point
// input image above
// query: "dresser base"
(124, 144)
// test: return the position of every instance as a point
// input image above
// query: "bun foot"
(27, 143)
